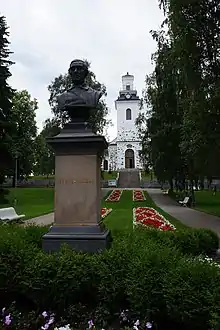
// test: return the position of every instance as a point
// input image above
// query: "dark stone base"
(89, 239)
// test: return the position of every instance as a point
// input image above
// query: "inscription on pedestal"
(73, 181)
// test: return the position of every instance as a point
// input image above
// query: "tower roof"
(128, 75)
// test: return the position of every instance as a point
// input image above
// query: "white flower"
(3, 310)
(66, 327)
(149, 325)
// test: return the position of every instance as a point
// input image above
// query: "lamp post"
(16, 168)
(16, 175)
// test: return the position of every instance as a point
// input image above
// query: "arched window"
(128, 114)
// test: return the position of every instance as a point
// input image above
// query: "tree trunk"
(13, 181)
(192, 193)
(171, 184)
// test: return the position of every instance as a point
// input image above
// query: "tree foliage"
(6, 94)
(183, 93)
(22, 117)
(45, 158)
(63, 83)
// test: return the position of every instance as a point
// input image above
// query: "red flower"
(138, 196)
(149, 217)
(105, 211)
(114, 196)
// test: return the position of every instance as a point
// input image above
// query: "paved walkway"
(187, 216)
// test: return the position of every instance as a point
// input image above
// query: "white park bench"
(184, 202)
(165, 192)
(8, 214)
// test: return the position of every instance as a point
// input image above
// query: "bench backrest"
(7, 211)
(186, 199)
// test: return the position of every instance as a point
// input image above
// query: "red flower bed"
(114, 196)
(147, 216)
(105, 211)
(138, 196)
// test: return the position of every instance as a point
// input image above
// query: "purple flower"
(8, 319)
(91, 324)
(45, 326)
(149, 325)
(137, 323)
(51, 320)
(44, 314)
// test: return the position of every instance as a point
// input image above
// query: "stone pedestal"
(77, 219)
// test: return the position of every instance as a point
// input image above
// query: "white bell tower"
(128, 108)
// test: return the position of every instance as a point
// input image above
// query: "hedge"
(153, 274)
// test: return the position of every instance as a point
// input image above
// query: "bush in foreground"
(146, 271)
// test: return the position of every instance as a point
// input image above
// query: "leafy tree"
(22, 116)
(183, 133)
(6, 94)
(45, 159)
(63, 83)
(160, 133)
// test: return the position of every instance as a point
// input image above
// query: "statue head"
(78, 71)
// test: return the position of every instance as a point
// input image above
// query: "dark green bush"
(188, 241)
(147, 271)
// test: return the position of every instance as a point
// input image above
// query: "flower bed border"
(138, 191)
(108, 199)
(107, 211)
(163, 219)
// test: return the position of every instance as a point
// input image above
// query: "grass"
(121, 216)
(206, 202)
(31, 201)
(34, 202)
(41, 177)
(109, 176)
(148, 176)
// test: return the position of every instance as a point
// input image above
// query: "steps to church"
(129, 179)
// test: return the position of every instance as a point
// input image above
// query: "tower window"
(128, 87)
(128, 114)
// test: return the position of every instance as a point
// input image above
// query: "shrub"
(192, 295)
(188, 241)
(147, 271)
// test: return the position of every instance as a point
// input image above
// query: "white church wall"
(126, 129)
(112, 157)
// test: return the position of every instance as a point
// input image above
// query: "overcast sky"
(113, 35)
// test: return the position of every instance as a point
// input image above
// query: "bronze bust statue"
(80, 99)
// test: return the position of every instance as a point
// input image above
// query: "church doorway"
(105, 165)
(129, 158)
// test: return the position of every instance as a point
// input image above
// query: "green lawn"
(110, 176)
(121, 216)
(206, 202)
(37, 201)
(107, 176)
(41, 177)
(31, 201)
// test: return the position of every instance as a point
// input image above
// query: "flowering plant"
(105, 211)
(114, 196)
(149, 217)
(46, 321)
(138, 196)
